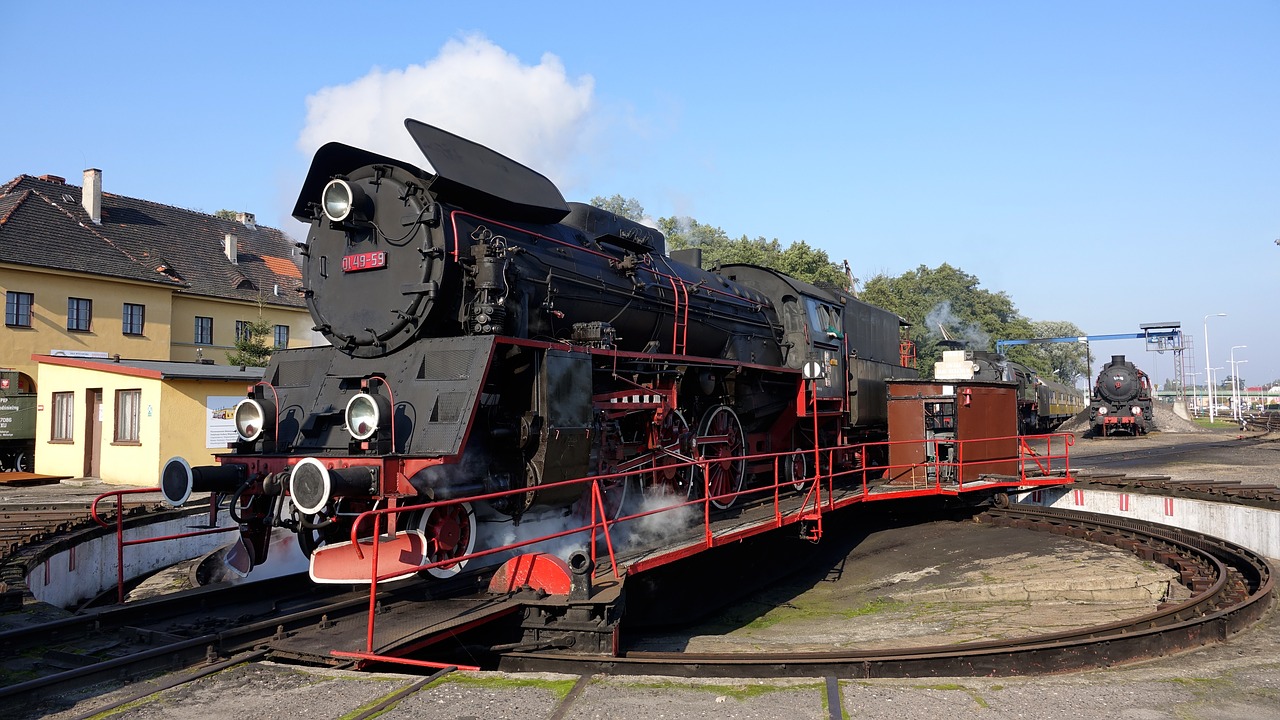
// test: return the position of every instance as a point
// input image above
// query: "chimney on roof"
(54, 179)
(229, 247)
(246, 219)
(91, 195)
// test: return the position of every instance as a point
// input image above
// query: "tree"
(1067, 361)
(628, 208)
(225, 214)
(251, 349)
(932, 299)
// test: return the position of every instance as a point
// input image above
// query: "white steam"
(668, 522)
(534, 114)
(942, 323)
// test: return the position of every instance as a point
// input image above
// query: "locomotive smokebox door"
(564, 401)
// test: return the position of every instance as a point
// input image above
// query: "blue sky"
(1110, 164)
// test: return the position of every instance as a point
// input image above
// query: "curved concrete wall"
(1253, 528)
(87, 569)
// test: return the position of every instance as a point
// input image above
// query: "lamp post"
(1194, 395)
(1239, 395)
(1206, 360)
(1213, 395)
(1235, 382)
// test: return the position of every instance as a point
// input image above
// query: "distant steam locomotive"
(1121, 401)
(1043, 404)
(488, 336)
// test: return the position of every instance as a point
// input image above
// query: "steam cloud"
(941, 317)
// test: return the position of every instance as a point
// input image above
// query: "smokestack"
(229, 247)
(247, 219)
(91, 195)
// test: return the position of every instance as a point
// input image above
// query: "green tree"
(1065, 360)
(225, 214)
(933, 299)
(628, 208)
(251, 349)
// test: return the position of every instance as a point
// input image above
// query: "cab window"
(824, 321)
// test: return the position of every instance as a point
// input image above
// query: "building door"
(93, 433)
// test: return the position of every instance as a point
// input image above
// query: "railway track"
(211, 629)
(1231, 588)
(175, 631)
(1092, 470)
(32, 522)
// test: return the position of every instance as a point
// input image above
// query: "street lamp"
(1239, 395)
(1235, 382)
(1213, 395)
(1206, 359)
(1194, 395)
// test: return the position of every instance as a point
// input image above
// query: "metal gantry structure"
(1159, 337)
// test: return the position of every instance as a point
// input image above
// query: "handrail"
(121, 543)
(598, 524)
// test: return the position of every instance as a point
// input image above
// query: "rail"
(819, 495)
(121, 543)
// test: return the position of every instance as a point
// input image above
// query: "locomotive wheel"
(660, 478)
(722, 442)
(798, 469)
(613, 492)
(450, 532)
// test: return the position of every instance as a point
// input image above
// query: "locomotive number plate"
(364, 261)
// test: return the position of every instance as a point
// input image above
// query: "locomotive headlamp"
(1136, 410)
(344, 202)
(365, 414)
(178, 479)
(312, 485)
(1102, 411)
(255, 417)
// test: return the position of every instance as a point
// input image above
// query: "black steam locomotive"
(487, 336)
(1121, 401)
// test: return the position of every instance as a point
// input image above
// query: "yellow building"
(120, 420)
(93, 275)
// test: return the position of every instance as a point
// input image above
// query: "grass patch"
(873, 607)
(559, 688)
(952, 687)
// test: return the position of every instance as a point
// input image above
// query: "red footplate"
(398, 558)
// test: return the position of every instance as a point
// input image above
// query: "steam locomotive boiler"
(487, 336)
(1121, 401)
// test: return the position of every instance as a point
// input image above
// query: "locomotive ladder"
(680, 319)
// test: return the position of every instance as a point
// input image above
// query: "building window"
(282, 336)
(17, 309)
(204, 330)
(127, 402)
(79, 314)
(133, 318)
(63, 416)
(243, 331)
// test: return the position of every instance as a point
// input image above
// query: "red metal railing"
(121, 543)
(820, 496)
